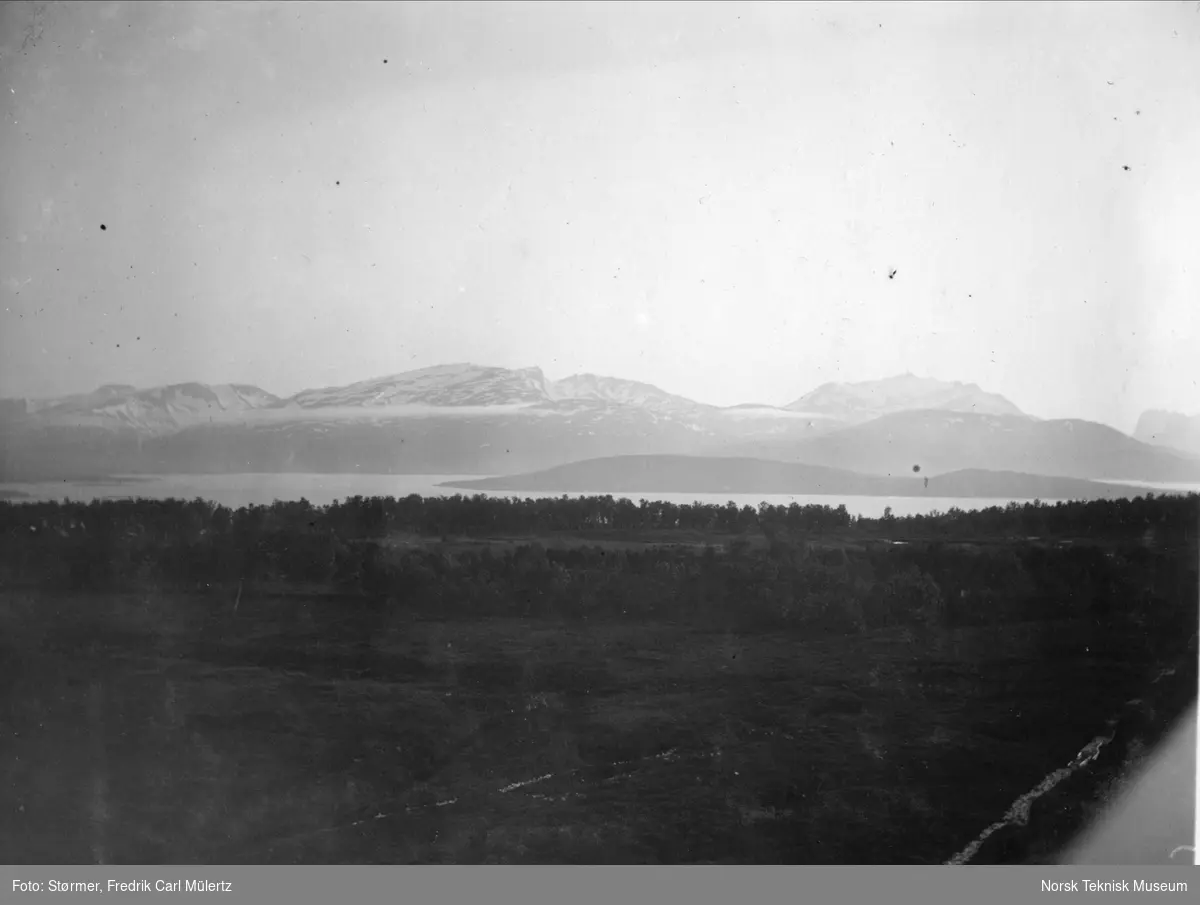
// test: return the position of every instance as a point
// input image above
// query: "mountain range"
(467, 419)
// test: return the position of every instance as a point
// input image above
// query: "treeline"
(791, 581)
(1170, 517)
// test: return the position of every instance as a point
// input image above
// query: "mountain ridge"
(154, 410)
(464, 383)
(471, 419)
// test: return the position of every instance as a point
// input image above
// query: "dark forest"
(672, 683)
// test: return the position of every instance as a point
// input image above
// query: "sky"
(736, 202)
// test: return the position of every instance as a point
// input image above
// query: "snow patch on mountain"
(441, 385)
(153, 411)
(621, 392)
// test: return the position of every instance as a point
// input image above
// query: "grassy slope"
(173, 730)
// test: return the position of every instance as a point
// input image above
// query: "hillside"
(579, 681)
(940, 442)
(695, 474)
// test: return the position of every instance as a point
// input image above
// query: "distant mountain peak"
(618, 391)
(904, 392)
(459, 384)
(1170, 429)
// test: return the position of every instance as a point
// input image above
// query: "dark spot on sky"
(385, 61)
(892, 275)
(339, 182)
(102, 226)
(1125, 168)
(1137, 112)
(916, 468)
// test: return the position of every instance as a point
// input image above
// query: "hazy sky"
(707, 197)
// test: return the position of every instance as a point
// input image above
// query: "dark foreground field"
(304, 724)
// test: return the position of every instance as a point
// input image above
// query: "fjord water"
(236, 490)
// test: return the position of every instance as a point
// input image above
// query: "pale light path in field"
(1018, 813)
